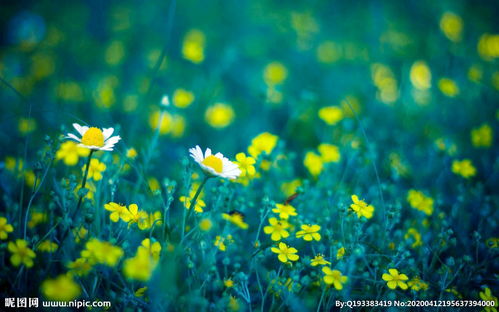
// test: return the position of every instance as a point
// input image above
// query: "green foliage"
(365, 136)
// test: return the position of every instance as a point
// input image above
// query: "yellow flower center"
(93, 137)
(22, 252)
(213, 162)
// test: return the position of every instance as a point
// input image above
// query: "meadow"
(250, 155)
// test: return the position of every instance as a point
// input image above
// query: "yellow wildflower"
(482, 136)
(95, 170)
(418, 200)
(90, 186)
(13, 165)
(21, 253)
(118, 212)
(319, 260)
(236, 218)
(464, 168)
(420, 75)
(134, 215)
(488, 46)
(205, 224)
(140, 267)
(340, 253)
(219, 115)
(229, 283)
(416, 284)
(220, 242)
(416, 237)
(309, 232)
(276, 229)
(131, 153)
(183, 98)
(154, 249)
(275, 73)
(313, 163)
(233, 304)
(329, 153)
(361, 208)
(26, 125)
(62, 288)
(263, 143)
(331, 115)
(452, 26)
(29, 178)
(384, 79)
(5, 228)
(200, 204)
(246, 163)
(193, 46)
(284, 210)
(448, 87)
(80, 233)
(101, 252)
(79, 267)
(394, 279)
(47, 246)
(290, 188)
(161, 121)
(153, 184)
(285, 253)
(147, 221)
(334, 277)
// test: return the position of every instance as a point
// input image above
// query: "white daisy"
(216, 165)
(95, 138)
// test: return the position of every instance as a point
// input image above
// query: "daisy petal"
(107, 147)
(74, 137)
(197, 154)
(81, 129)
(113, 140)
(107, 133)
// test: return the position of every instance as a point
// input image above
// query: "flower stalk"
(84, 182)
(80, 199)
(193, 203)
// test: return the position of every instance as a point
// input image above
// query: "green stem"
(84, 182)
(193, 203)
(320, 301)
(36, 187)
(80, 200)
(148, 155)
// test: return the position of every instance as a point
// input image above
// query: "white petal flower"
(216, 165)
(94, 138)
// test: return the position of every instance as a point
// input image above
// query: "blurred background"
(394, 101)
(412, 70)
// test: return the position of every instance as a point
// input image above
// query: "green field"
(347, 152)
